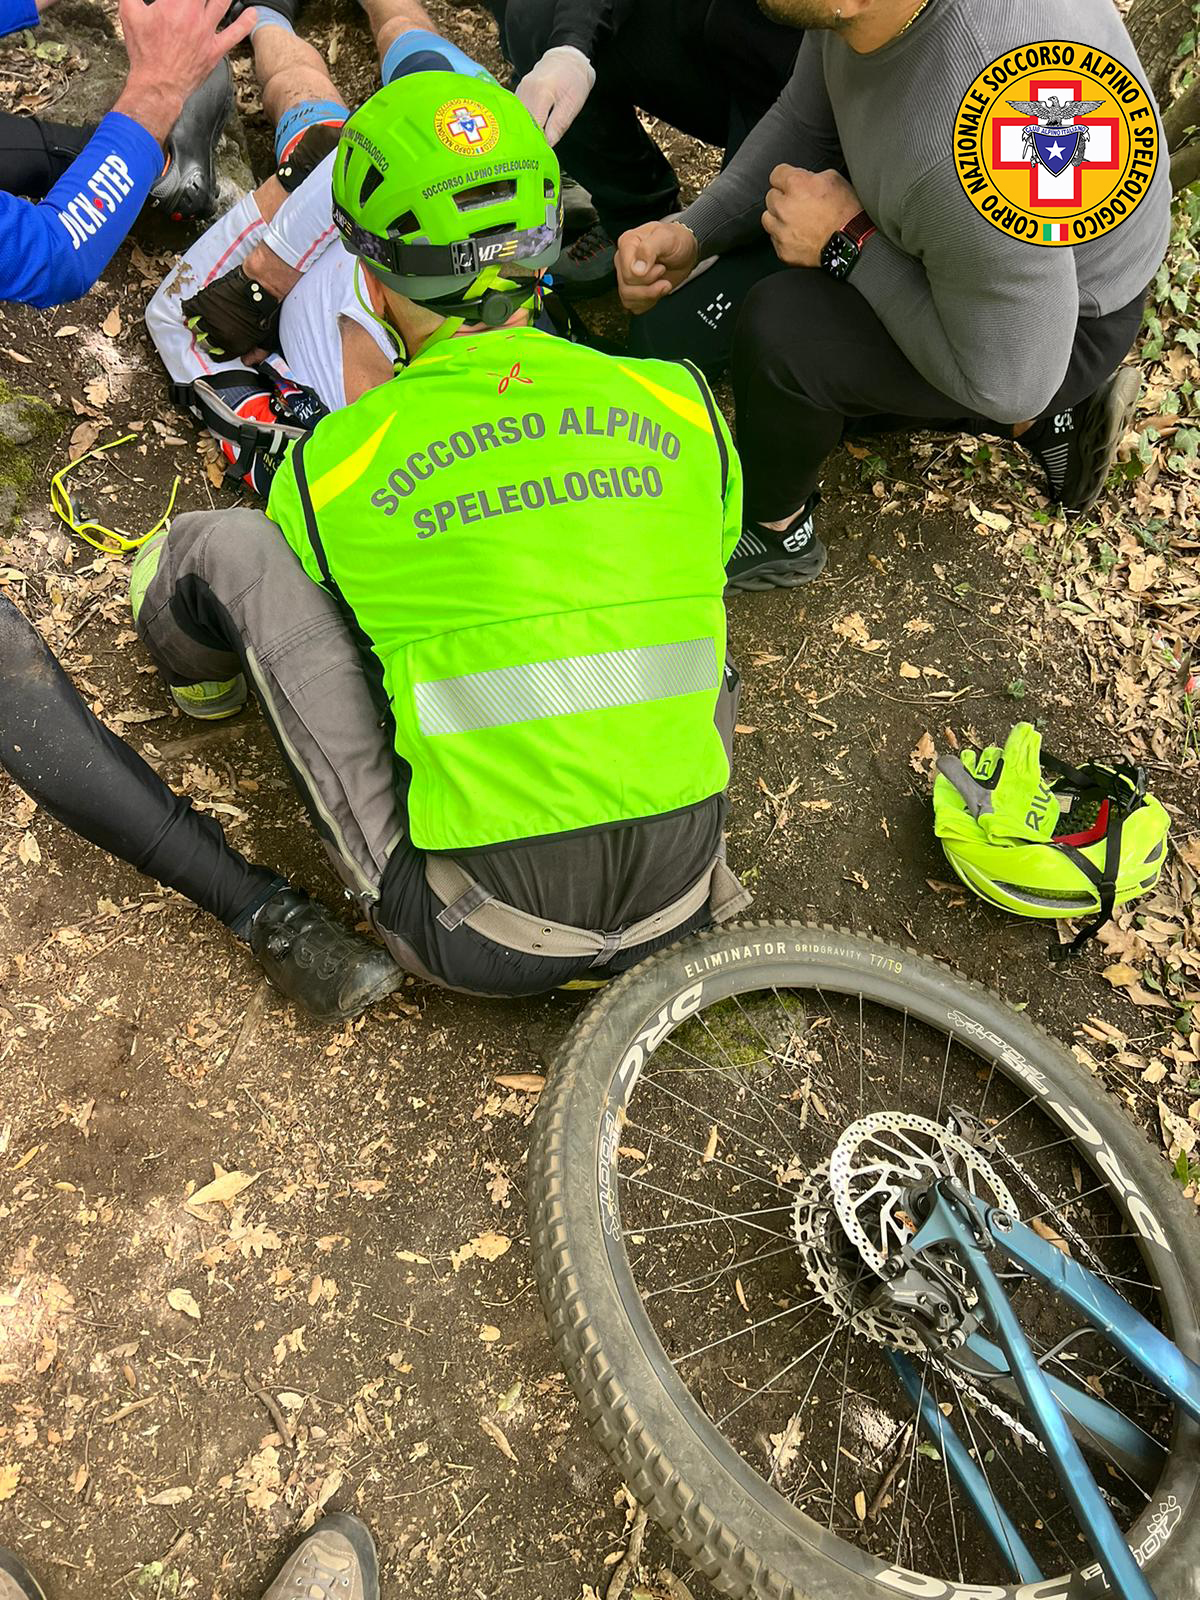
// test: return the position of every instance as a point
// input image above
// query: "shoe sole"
(196, 195)
(1102, 435)
(368, 997)
(216, 710)
(778, 575)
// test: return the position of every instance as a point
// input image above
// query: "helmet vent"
(369, 185)
(548, 188)
(485, 194)
(403, 225)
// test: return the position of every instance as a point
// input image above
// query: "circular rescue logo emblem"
(466, 128)
(1056, 143)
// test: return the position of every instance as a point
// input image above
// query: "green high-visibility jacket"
(532, 538)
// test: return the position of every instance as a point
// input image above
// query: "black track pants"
(710, 68)
(811, 362)
(94, 783)
(34, 154)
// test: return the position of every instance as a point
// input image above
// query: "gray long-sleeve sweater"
(988, 319)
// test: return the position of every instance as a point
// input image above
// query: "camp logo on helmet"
(465, 127)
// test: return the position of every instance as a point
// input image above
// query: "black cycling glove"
(233, 315)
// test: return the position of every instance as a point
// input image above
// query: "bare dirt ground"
(350, 1319)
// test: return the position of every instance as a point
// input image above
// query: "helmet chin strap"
(489, 284)
(402, 357)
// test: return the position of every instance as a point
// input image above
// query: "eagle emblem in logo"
(1055, 143)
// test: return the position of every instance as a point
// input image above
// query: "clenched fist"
(653, 260)
(803, 210)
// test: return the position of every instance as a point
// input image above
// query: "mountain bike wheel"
(725, 1341)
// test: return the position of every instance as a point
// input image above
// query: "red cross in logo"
(469, 125)
(1008, 154)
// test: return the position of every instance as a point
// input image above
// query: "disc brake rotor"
(880, 1158)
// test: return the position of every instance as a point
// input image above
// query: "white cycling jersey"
(313, 314)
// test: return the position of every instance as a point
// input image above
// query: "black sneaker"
(1078, 446)
(769, 558)
(579, 214)
(587, 267)
(16, 1581)
(188, 186)
(311, 958)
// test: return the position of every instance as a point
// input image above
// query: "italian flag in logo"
(1055, 233)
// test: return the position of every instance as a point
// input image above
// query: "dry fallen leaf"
(487, 1246)
(28, 850)
(112, 327)
(170, 1497)
(710, 1148)
(785, 1446)
(223, 1188)
(1177, 1132)
(82, 440)
(181, 1300)
(1051, 1235)
(923, 755)
(10, 1477)
(488, 1334)
(525, 1082)
(496, 1435)
(907, 670)
(1121, 975)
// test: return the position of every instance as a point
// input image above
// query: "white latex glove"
(554, 91)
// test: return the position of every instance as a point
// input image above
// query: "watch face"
(839, 254)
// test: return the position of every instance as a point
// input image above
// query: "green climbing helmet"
(446, 187)
(1041, 838)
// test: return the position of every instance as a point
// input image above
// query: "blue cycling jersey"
(17, 14)
(55, 250)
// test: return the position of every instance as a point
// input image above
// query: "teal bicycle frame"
(978, 1235)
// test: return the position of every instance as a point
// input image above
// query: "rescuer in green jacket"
(482, 613)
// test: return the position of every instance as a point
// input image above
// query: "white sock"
(270, 19)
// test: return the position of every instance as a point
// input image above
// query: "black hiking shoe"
(16, 1581)
(311, 958)
(1077, 447)
(188, 186)
(579, 214)
(769, 558)
(587, 267)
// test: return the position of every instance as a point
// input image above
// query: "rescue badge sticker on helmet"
(1041, 838)
(466, 128)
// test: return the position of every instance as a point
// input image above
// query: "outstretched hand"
(172, 46)
(556, 88)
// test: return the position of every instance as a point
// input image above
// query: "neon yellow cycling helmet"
(1038, 837)
(446, 188)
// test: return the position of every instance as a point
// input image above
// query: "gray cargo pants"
(235, 574)
(230, 595)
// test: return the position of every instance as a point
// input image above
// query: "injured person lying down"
(260, 368)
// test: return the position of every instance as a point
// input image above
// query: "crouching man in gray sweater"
(858, 285)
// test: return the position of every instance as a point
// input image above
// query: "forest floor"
(351, 1321)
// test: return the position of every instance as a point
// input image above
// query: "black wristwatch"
(845, 246)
